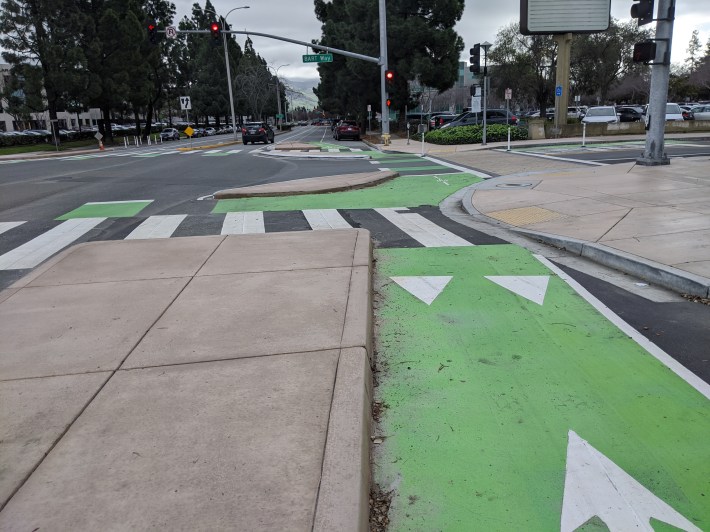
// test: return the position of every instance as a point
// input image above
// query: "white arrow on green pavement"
(425, 288)
(531, 287)
(596, 487)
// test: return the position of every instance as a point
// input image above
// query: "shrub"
(474, 134)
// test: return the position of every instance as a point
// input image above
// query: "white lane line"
(115, 202)
(663, 357)
(31, 253)
(157, 227)
(240, 223)
(234, 151)
(333, 150)
(6, 226)
(190, 151)
(355, 149)
(325, 219)
(456, 167)
(550, 157)
(422, 230)
(213, 151)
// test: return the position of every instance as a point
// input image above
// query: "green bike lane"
(508, 401)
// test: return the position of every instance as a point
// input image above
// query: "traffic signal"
(152, 33)
(644, 52)
(643, 11)
(389, 102)
(215, 30)
(389, 81)
(475, 59)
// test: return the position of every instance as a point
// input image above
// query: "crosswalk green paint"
(407, 191)
(482, 386)
(113, 209)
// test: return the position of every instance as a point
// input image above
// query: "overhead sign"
(546, 17)
(171, 32)
(318, 58)
(185, 103)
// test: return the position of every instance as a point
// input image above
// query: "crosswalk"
(136, 154)
(391, 227)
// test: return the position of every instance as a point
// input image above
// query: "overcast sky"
(481, 20)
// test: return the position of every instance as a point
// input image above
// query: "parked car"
(210, 131)
(170, 133)
(628, 114)
(673, 114)
(604, 114)
(345, 129)
(701, 112)
(576, 112)
(493, 116)
(438, 120)
(687, 112)
(257, 132)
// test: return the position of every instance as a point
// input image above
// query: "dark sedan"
(628, 114)
(257, 132)
(493, 116)
(347, 129)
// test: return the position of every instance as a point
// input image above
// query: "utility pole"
(654, 152)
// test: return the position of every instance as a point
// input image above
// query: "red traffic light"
(389, 75)
(151, 27)
(389, 102)
(214, 27)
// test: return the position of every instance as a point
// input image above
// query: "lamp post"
(486, 46)
(226, 62)
(278, 92)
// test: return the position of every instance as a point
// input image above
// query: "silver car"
(605, 114)
(701, 112)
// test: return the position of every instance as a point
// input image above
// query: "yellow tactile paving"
(525, 215)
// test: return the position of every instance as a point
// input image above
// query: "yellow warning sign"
(189, 131)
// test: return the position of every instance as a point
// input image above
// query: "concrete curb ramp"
(311, 185)
(200, 383)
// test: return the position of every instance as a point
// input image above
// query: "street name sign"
(318, 58)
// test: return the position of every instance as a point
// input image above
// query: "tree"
(598, 60)
(422, 46)
(22, 93)
(525, 63)
(45, 34)
(693, 60)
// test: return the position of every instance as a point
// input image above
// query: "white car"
(701, 112)
(605, 114)
(673, 113)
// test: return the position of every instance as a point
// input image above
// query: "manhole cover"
(514, 185)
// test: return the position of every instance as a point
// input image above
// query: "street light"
(485, 45)
(278, 92)
(226, 62)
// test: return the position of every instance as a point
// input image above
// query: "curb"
(211, 146)
(654, 272)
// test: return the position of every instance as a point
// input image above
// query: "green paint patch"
(117, 209)
(405, 191)
(483, 385)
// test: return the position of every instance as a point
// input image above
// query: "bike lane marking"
(483, 386)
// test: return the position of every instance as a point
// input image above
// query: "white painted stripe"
(6, 226)
(213, 151)
(375, 162)
(31, 253)
(325, 219)
(234, 151)
(189, 152)
(157, 227)
(355, 149)
(422, 230)
(671, 363)
(114, 202)
(239, 223)
(550, 157)
(333, 150)
(456, 167)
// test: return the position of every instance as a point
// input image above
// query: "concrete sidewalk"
(201, 383)
(653, 222)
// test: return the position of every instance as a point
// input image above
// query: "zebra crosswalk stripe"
(240, 223)
(320, 219)
(6, 226)
(31, 253)
(425, 232)
(157, 227)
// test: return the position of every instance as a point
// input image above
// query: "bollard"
(584, 133)
(508, 140)
(125, 142)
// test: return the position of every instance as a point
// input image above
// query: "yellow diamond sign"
(189, 131)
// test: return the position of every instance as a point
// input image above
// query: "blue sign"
(558, 90)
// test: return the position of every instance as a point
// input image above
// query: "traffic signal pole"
(654, 152)
(383, 70)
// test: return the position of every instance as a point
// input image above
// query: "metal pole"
(229, 80)
(654, 152)
(278, 103)
(383, 68)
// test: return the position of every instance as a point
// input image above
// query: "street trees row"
(422, 46)
(69, 55)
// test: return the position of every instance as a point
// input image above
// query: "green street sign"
(318, 58)
(279, 116)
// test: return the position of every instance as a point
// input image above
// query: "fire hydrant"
(386, 139)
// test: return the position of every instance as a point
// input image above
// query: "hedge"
(474, 134)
